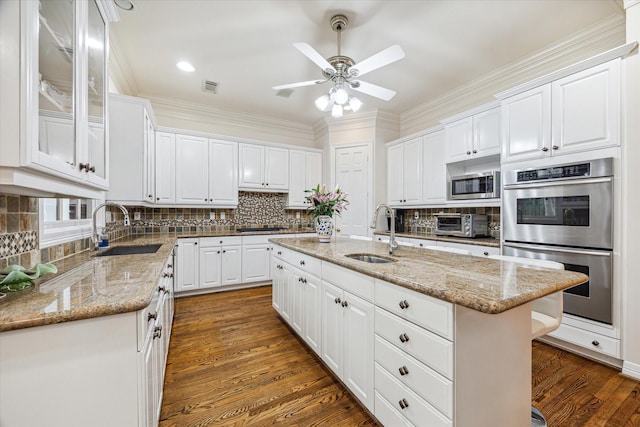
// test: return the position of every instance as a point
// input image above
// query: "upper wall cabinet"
(579, 112)
(305, 172)
(434, 175)
(132, 148)
(475, 136)
(404, 173)
(54, 67)
(263, 168)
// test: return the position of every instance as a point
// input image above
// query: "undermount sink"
(131, 250)
(374, 259)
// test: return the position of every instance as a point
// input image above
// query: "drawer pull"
(338, 300)
(279, 252)
(404, 337)
(304, 280)
(404, 304)
(157, 332)
(299, 279)
(151, 316)
(344, 304)
(403, 370)
(403, 403)
(301, 262)
(161, 289)
(595, 343)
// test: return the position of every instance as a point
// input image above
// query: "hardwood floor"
(232, 362)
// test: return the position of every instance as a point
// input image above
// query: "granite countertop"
(89, 286)
(482, 284)
(480, 241)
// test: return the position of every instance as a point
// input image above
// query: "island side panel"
(493, 367)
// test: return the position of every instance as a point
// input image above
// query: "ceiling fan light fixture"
(323, 102)
(336, 111)
(354, 103)
(341, 96)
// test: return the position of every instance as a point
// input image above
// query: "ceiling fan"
(344, 72)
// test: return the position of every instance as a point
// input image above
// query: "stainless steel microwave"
(484, 185)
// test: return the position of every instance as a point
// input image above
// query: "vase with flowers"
(323, 205)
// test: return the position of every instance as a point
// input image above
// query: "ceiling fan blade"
(299, 84)
(313, 55)
(375, 90)
(380, 59)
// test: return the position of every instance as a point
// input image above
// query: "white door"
(210, 267)
(459, 138)
(223, 173)
(314, 170)
(192, 170)
(332, 327)
(231, 265)
(395, 175)
(358, 348)
(297, 301)
(352, 174)
(486, 133)
(312, 298)
(412, 169)
(285, 291)
(297, 181)
(276, 284)
(276, 175)
(165, 167)
(251, 166)
(150, 166)
(187, 265)
(255, 262)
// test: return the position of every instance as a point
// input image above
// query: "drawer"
(147, 318)
(587, 339)
(280, 252)
(303, 262)
(431, 313)
(408, 403)
(423, 243)
(208, 242)
(349, 280)
(427, 383)
(387, 414)
(429, 348)
(262, 239)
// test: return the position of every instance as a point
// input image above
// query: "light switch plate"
(222, 215)
(298, 215)
(212, 215)
(416, 215)
(136, 216)
(107, 216)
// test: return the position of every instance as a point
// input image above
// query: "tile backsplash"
(425, 223)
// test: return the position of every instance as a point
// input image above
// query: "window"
(64, 220)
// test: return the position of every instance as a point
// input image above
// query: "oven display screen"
(570, 211)
(569, 171)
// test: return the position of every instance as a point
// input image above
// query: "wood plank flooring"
(232, 362)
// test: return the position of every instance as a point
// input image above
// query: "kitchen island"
(430, 338)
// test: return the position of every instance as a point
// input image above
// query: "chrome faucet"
(392, 235)
(94, 236)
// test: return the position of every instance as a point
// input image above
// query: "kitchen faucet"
(392, 235)
(94, 236)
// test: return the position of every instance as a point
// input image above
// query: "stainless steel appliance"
(461, 225)
(399, 220)
(484, 185)
(564, 213)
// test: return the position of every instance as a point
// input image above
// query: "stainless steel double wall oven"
(564, 213)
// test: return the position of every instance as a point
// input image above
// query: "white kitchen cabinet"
(305, 172)
(256, 262)
(434, 169)
(404, 173)
(223, 173)
(220, 261)
(579, 112)
(187, 265)
(474, 136)
(192, 170)
(60, 83)
(165, 172)
(132, 161)
(477, 250)
(263, 168)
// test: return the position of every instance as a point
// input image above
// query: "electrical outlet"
(107, 216)
(212, 215)
(136, 216)
(416, 215)
(222, 215)
(298, 215)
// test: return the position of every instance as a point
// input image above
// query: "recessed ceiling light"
(124, 4)
(185, 66)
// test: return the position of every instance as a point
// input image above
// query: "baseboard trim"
(181, 294)
(630, 369)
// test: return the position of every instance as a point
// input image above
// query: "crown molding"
(600, 37)
(630, 3)
(250, 123)
(119, 69)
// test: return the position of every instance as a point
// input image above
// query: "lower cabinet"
(220, 262)
(100, 372)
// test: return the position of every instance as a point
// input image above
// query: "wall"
(631, 203)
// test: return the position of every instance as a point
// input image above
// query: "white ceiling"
(246, 46)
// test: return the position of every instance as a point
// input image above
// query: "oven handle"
(554, 249)
(558, 183)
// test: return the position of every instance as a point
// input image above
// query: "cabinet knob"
(279, 252)
(224, 251)
(151, 316)
(344, 304)
(421, 245)
(404, 338)
(169, 265)
(404, 304)
(403, 403)
(403, 370)
(195, 243)
(262, 183)
(486, 253)
(544, 149)
(596, 343)
(161, 288)
(468, 153)
(337, 300)
(475, 151)
(218, 251)
(157, 198)
(555, 147)
(300, 279)
(302, 262)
